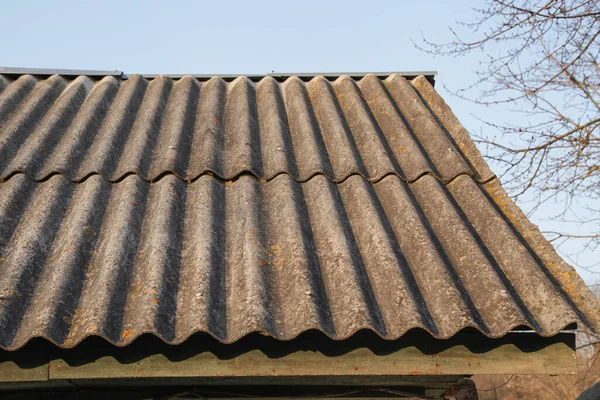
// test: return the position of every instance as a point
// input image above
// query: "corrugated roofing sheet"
(228, 208)
(114, 128)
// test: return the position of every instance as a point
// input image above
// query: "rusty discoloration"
(127, 334)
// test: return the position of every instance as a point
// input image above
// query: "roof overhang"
(416, 363)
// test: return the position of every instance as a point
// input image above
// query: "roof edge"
(305, 76)
(281, 76)
(55, 71)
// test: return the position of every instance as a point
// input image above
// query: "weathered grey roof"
(173, 207)
(114, 128)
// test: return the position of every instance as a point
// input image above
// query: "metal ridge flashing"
(280, 76)
(54, 71)
(305, 76)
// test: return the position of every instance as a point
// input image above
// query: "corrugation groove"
(373, 147)
(152, 298)
(518, 266)
(459, 136)
(72, 148)
(280, 257)
(3, 83)
(20, 126)
(190, 128)
(346, 282)
(57, 293)
(470, 258)
(342, 148)
(107, 283)
(12, 96)
(46, 136)
(103, 154)
(445, 157)
(141, 143)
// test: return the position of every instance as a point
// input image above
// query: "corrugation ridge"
(274, 129)
(399, 139)
(393, 283)
(307, 140)
(152, 300)
(21, 265)
(174, 141)
(43, 139)
(109, 141)
(368, 138)
(544, 298)
(447, 262)
(249, 294)
(297, 269)
(240, 127)
(12, 96)
(18, 128)
(444, 129)
(460, 239)
(57, 294)
(208, 143)
(79, 136)
(446, 119)
(202, 295)
(337, 250)
(343, 151)
(141, 142)
(103, 302)
(434, 142)
(506, 208)
(419, 247)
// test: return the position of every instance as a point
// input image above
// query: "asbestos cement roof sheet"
(115, 127)
(174, 207)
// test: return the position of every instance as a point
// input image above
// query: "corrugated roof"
(228, 208)
(114, 128)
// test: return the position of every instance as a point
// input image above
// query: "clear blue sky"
(230, 37)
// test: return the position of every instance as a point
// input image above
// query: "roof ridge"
(305, 76)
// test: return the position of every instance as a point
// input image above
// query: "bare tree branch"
(542, 60)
